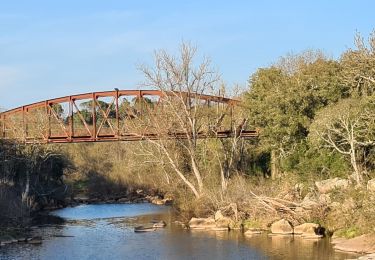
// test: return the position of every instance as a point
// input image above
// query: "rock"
(335, 204)
(282, 227)
(181, 224)
(167, 201)
(348, 205)
(309, 202)
(140, 200)
(223, 223)
(299, 210)
(371, 185)
(324, 199)
(81, 198)
(252, 232)
(202, 223)
(312, 236)
(235, 225)
(35, 240)
(157, 201)
(160, 224)
(361, 244)
(331, 184)
(142, 229)
(5, 240)
(21, 239)
(307, 229)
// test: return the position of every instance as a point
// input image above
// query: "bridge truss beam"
(105, 116)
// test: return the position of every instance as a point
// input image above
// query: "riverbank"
(312, 210)
(316, 211)
(279, 231)
(103, 230)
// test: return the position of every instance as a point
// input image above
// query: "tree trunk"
(274, 165)
(25, 194)
(224, 182)
(353, 161)
(197, 174)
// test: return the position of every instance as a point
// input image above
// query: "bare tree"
(347, 127)
(180, 110)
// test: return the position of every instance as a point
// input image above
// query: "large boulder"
(361, 244)
(202, 223)
(329, 185)
(309, 230)
(306, 228)
(282, 227)
(371, 185)
(223, 223)
(309, 202)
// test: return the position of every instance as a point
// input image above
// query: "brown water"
(107, 232)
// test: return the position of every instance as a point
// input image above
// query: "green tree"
(282, 100)
(359, 66)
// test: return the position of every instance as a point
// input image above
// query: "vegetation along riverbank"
(311, 171)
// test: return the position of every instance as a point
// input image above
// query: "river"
(106, 231)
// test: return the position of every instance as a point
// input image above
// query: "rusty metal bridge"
(109, 115)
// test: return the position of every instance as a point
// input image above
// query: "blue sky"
(55, 48)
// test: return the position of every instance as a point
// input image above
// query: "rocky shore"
(329, 201)
(8, 239)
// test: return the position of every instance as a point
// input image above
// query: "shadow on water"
(47, 219)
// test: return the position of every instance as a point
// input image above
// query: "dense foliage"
(306, 104)
(31, 178)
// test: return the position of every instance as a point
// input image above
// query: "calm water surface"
(107, 232)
